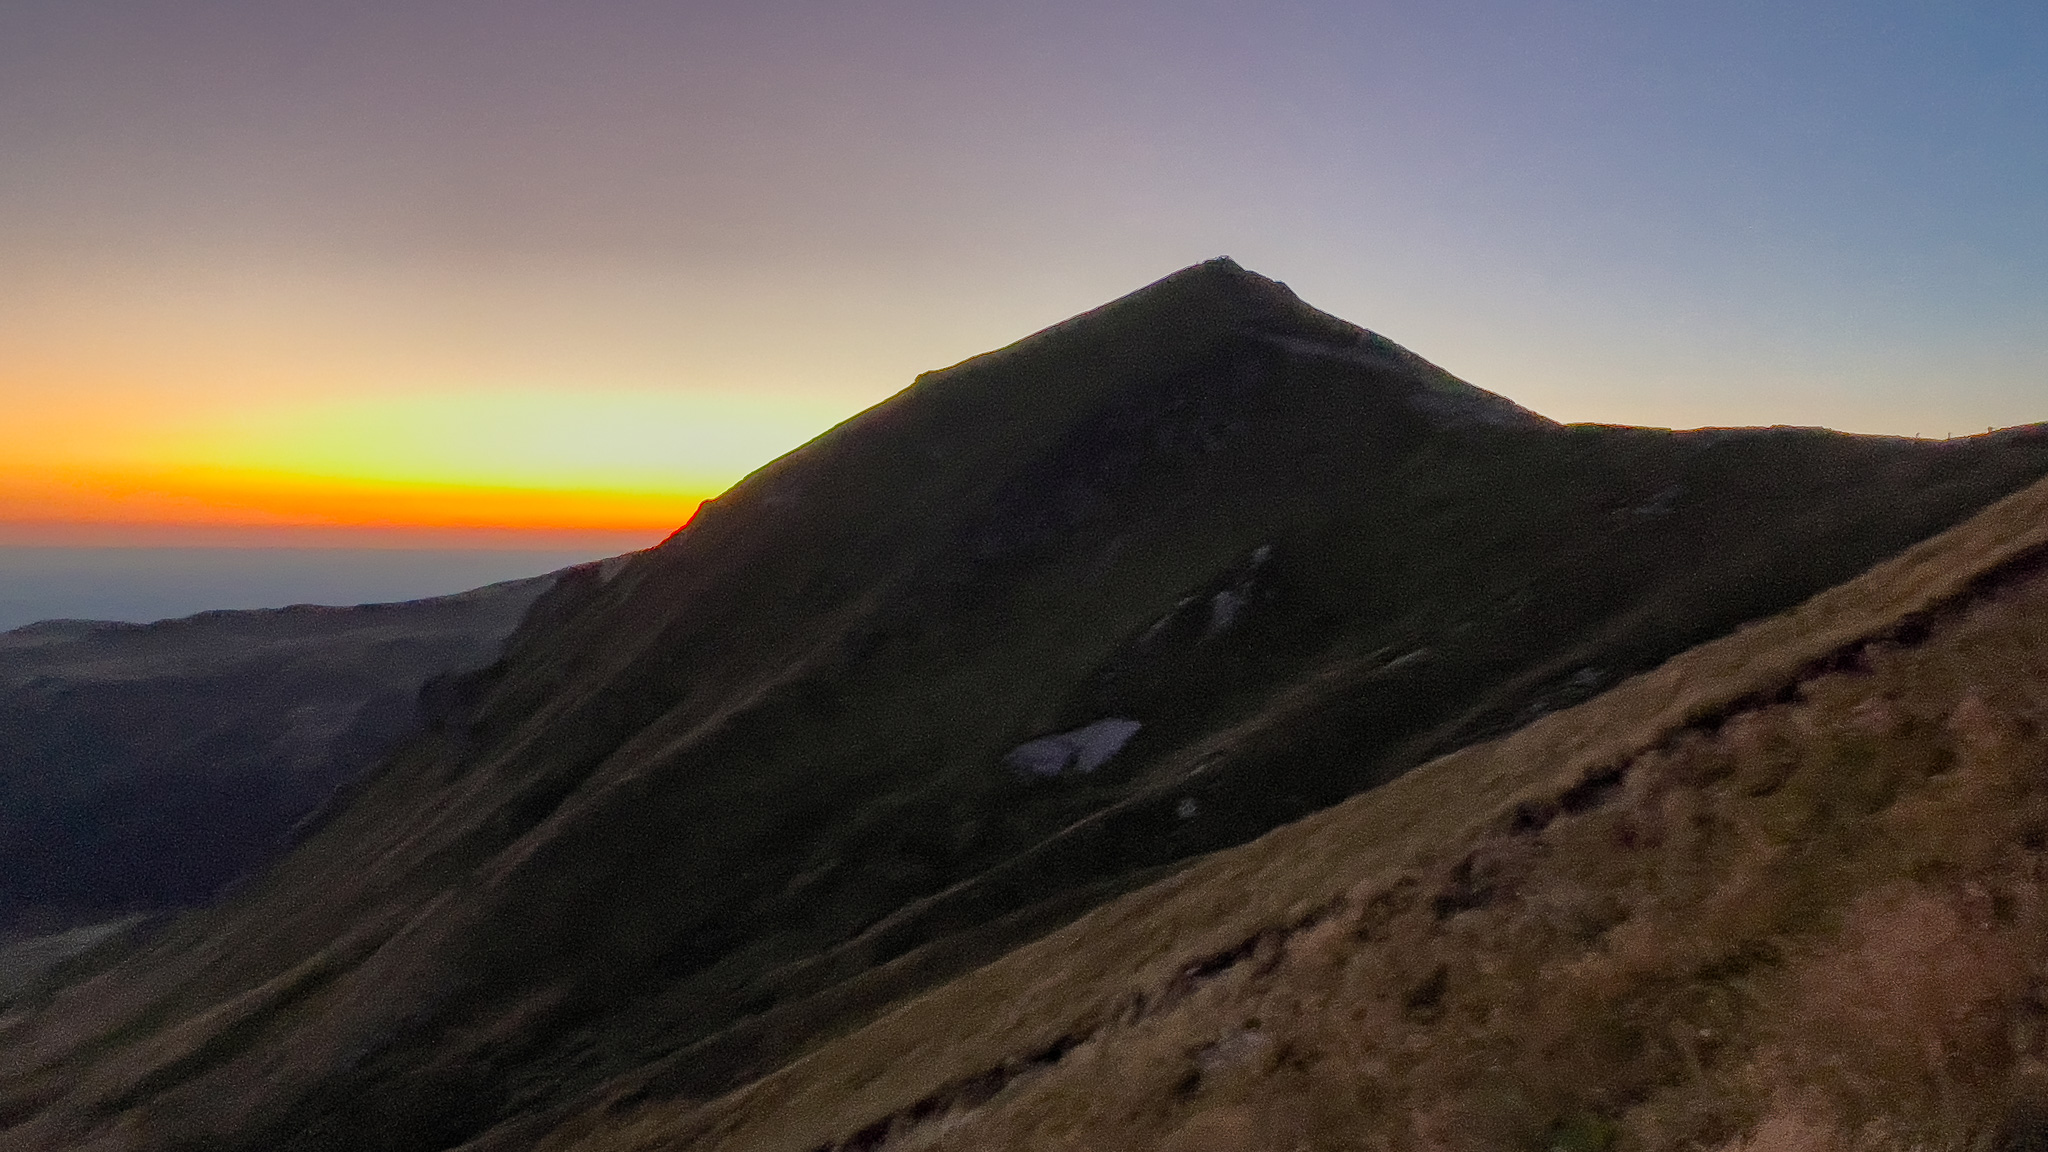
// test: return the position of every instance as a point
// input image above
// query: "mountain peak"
(1189, 317)
(1261, 299)
(1197, 356)
(1190, 308)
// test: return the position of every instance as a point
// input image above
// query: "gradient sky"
(494, 271)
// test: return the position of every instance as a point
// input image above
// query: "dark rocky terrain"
(1037, 632)
(143, 766)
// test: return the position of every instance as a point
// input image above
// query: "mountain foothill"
(145, 767)
(1203, 724)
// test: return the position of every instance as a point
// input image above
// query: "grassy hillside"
(1783, 892)
(143, 766)
(729, 799)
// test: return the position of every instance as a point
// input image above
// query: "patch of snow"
(1081, 750)
(1223, 608)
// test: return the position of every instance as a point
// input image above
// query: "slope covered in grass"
(1787, 891)
(731, 798)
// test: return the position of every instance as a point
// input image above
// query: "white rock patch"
(1081, 750)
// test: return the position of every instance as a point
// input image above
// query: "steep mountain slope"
(142, 766)
(1787, 891)
(861, 725)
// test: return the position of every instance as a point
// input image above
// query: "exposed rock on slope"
(142, 766)
(750, 790)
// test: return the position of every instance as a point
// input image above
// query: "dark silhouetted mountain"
(1782, 892)
(1038, 631)
(143, 766)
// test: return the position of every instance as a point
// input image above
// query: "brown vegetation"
(1785, 892)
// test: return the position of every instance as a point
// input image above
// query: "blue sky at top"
(1676, 214)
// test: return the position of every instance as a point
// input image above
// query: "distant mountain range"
(143, 766)
(1048, 627)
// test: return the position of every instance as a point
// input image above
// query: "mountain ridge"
(143, 766)
(720, 789)
(879, 1086)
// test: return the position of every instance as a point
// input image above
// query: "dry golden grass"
(1786, 891)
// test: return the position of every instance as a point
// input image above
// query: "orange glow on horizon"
(518, 468)
(231, 403)
(105, 502)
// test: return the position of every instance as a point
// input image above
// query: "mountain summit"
(1203, 306)
(1041, 629)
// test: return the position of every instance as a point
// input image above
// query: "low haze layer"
(144, 584)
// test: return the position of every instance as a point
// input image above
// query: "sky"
(444, 274)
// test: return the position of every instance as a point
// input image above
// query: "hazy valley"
(143, 766)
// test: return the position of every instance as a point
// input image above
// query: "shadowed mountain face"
(1045, 626)
(1784, 892)
(142, 766)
